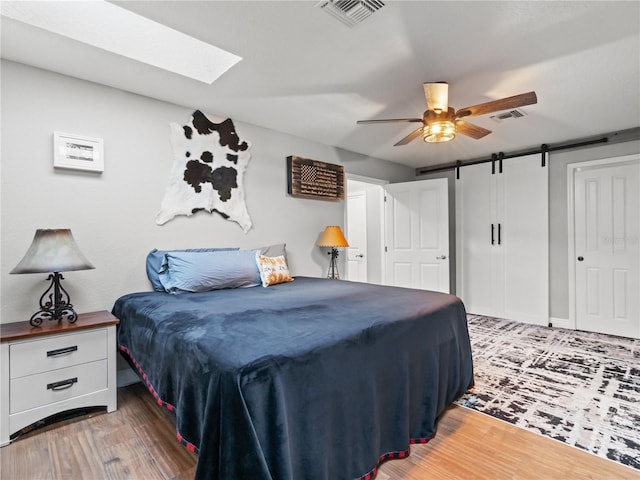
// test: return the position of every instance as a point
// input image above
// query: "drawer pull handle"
(62, 384)
(62, 351)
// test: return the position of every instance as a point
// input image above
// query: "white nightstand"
(56, 367)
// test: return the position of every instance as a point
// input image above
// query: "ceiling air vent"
(350, 12)
(502, 116)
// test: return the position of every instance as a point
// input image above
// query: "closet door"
(524, 240)
(502, 240)
(475, 213)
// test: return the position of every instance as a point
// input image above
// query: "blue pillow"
(156, 263)
(204, 271)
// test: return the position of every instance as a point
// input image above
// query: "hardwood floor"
(138, 442)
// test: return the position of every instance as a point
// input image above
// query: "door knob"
(360, 255)
(580, 259)
(441, 257)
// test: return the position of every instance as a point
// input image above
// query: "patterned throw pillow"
(273, 270)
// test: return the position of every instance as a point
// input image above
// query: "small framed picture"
(78, 152)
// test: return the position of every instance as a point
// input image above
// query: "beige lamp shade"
(332, 237)
(53, 251)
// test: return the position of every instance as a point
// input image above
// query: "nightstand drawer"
(59, 351)
(50, 387)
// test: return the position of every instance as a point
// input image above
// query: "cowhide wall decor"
(207, 172)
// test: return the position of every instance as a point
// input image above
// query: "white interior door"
(357, 237)
(417, 235)
(607, 248)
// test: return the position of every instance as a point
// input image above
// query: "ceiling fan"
(441, 123)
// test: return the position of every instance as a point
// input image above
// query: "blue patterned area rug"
(577, 387)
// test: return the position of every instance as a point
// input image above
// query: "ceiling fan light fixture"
(439, 126)
(439, 132)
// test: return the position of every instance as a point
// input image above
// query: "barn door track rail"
(496, 159)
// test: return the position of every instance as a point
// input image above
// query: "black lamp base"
(333, 266)
(55, 303)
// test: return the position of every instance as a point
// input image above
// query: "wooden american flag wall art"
(307, 178)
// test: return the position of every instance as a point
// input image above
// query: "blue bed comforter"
(313, 379)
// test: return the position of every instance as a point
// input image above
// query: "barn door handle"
(499, 234)
(493, 240)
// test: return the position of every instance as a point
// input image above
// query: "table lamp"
(333, 237)
(53, 251)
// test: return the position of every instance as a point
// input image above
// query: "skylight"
(117, 30)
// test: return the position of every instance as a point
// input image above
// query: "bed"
(310, 379)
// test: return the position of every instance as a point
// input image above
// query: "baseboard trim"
(126, 377)
(560, 323)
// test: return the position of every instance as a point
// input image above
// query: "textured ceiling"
(305, 73)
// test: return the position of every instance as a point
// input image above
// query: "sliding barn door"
(524, 230)
(476, 239)
(502, 239)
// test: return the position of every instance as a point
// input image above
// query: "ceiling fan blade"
(390, 120)
(412, 136)
(471, 130)
(437, 95)
(516, 101)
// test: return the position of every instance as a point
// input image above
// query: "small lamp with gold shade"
(334, 238)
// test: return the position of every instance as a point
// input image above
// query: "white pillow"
(273, 270)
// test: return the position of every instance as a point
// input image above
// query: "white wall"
(112, 215)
